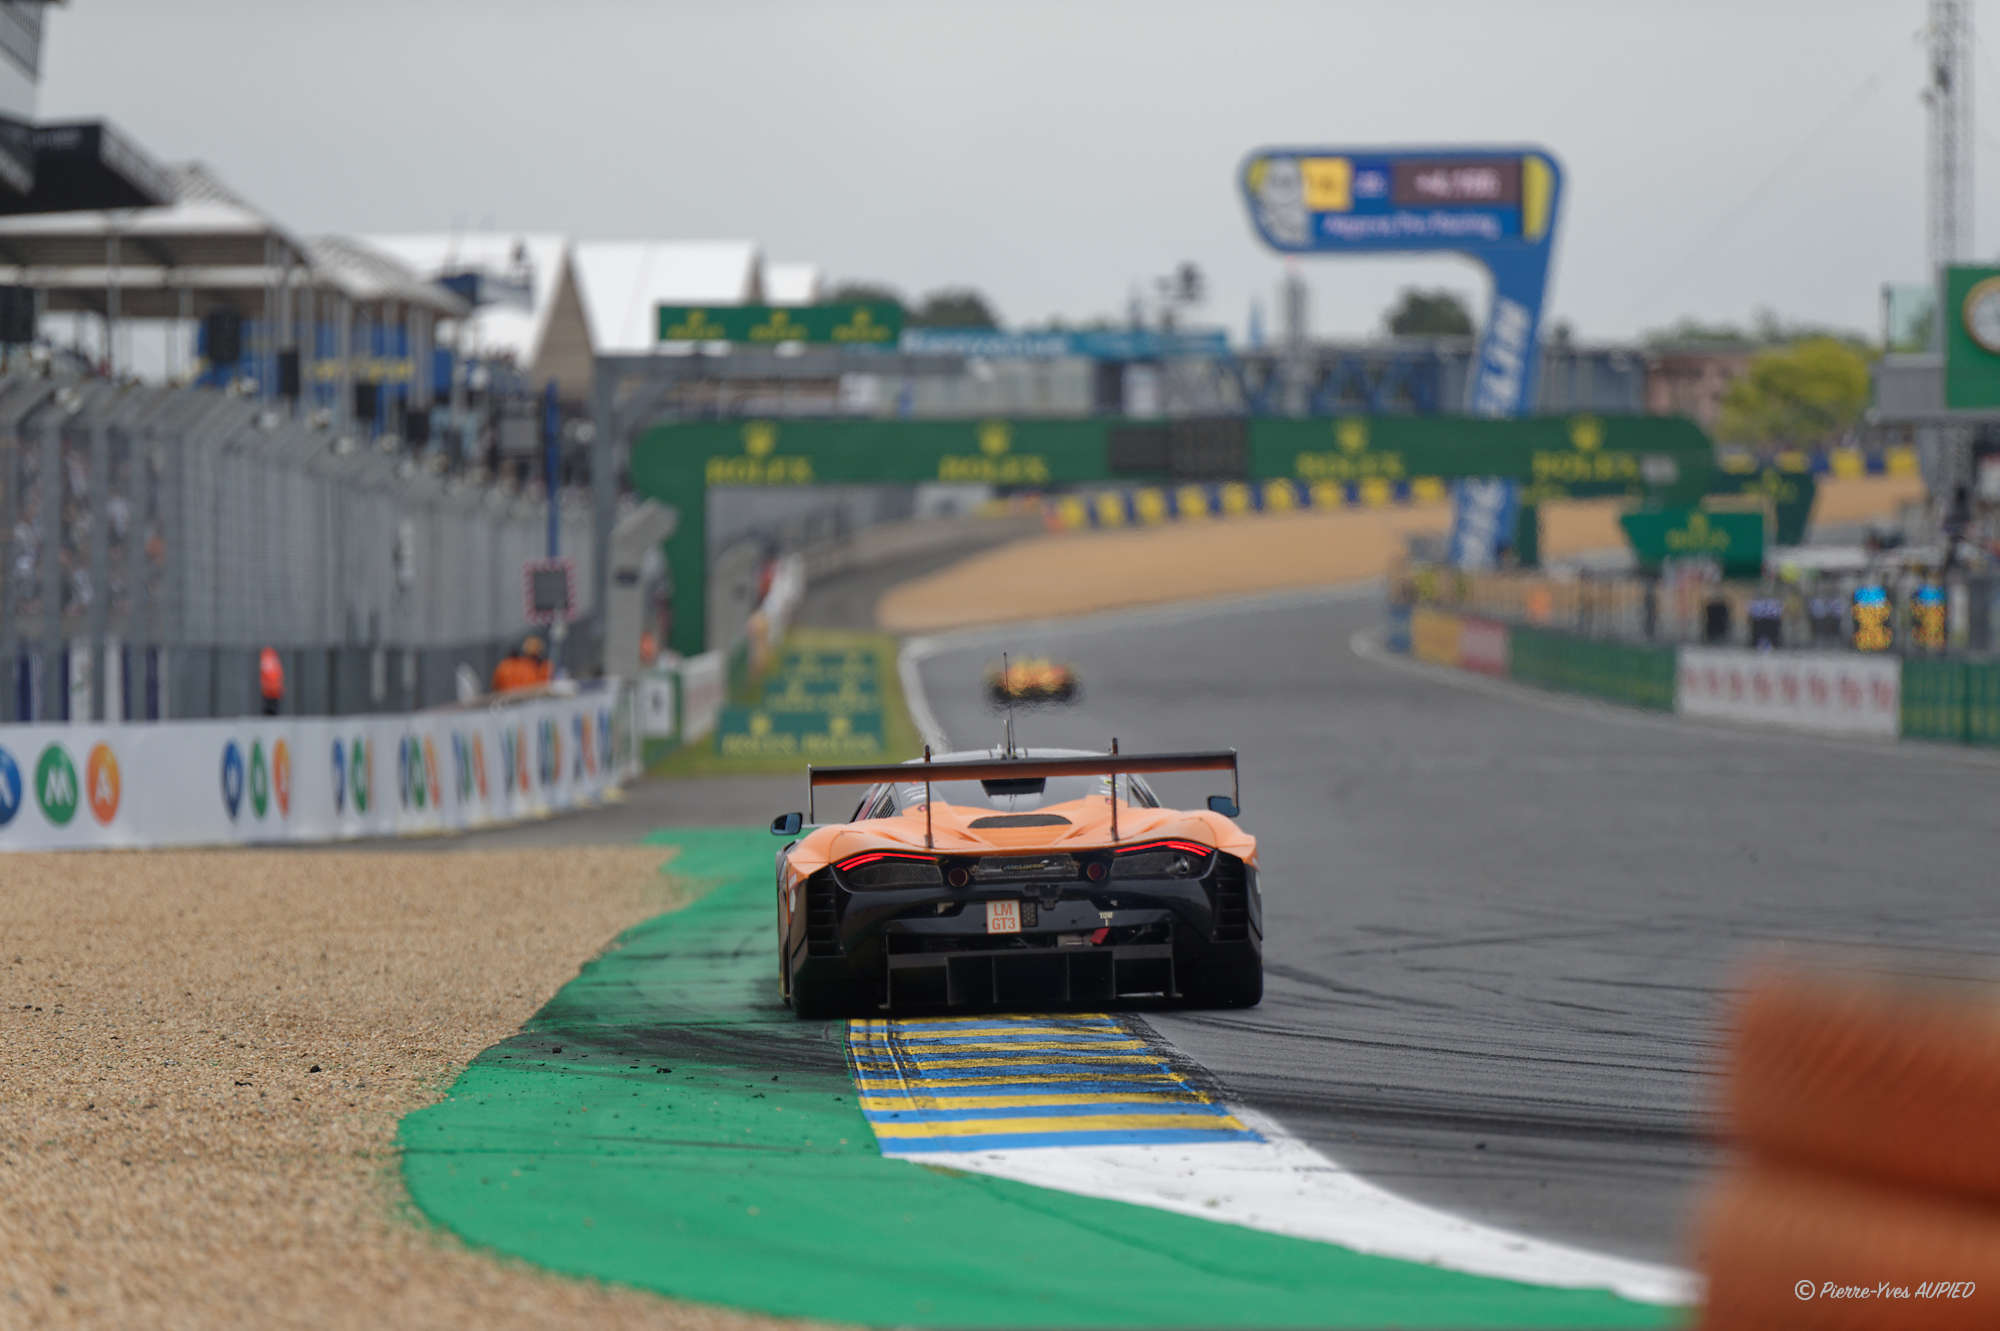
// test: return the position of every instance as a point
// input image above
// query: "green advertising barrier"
(1733, 540)
(1951, 700)
(1934, 699)
(1666, 458)
(754, 732)
(869, 323)
(1791, 493)
(816, 704)
(1982, 702)
(1627, 673)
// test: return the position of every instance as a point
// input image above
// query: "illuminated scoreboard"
(1497, 206)
(1874, 630)
(1321, 201)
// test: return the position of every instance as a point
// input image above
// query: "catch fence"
(156, 540)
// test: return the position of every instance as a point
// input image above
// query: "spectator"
(525, 669)
(271, 680)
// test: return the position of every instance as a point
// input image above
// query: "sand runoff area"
(207, 1057)
(1078, 573)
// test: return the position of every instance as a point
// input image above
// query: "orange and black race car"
(1010, 876)
(1030, 682)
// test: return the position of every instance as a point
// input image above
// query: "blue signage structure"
(1083, 344)
(1497, 206)
(1482, 521)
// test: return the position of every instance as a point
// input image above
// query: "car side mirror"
(1223, 805)
(787, 824)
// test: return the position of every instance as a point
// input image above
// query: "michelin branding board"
(1482, 521)
(255, 781)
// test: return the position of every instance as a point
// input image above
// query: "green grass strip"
(665, 1123)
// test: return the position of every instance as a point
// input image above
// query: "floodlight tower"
(1949, 96)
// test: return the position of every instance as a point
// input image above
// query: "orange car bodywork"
(1030, 677)
(950, 833)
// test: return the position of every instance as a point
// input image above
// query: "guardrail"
(1586, 635)
(1831, 693)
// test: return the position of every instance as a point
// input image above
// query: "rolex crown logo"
(1586, 432)
(1351, 435)
(995, 438)
(759, 438)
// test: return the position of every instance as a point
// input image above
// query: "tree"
(1689, 332)
(1796, 396)
(1429, 314)
(863, 293)
(1766, 329)
(953, 307)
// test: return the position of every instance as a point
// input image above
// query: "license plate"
(1003, 917)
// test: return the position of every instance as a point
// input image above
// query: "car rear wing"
(1112, 764)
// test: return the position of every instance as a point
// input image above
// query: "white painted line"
(912, 654)
(1282, 1185)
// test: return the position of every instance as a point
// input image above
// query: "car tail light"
(888, 868)
(1161, 859)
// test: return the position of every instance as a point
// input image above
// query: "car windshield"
(1020, 796)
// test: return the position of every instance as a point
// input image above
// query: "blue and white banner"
(254, 781)
(1482, 521)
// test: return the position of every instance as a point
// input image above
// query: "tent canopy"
(208, 249)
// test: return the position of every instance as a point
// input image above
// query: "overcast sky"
(1720, 156)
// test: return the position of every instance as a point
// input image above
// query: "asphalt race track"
(1500, 931)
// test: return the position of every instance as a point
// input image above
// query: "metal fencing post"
(98, 501)
(603, 485)
(48, 504)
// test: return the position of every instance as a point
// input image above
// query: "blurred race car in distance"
(1006, 876)
(1031, 681)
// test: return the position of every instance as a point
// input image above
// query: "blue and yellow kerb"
(1840, 463)
(942, 1084)
(1150, 506)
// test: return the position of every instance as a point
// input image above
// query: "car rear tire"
(1240, 984)
(824, 1000)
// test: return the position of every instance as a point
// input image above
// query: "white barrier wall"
(1835, 693)
(657, 707)
(704, 685)
(256, 781)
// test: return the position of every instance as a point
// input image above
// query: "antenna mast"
(1007, 700)
(1948, 93)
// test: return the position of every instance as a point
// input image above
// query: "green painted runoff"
(664, 1122)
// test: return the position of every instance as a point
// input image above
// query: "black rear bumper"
(1079, 944)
